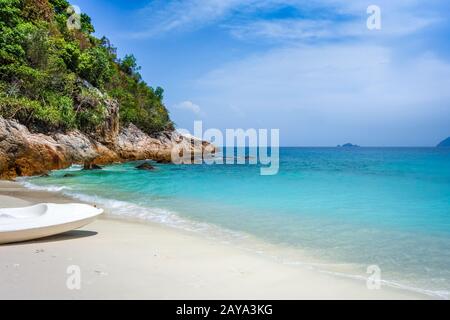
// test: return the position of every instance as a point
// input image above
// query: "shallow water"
(355, 207)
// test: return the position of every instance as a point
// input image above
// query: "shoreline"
(125, 259)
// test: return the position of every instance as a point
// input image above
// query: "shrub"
(44, 67)
(94, 66)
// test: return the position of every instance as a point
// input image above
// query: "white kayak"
(43, 220)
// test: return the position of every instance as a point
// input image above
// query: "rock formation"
(145, 166)
(444, 143)
(23, 153)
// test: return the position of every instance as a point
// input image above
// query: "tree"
(129, 65)
(36, 10)
(94, 66)
(86, 24)
(11, 36)
(60, 6)
(42, 63)
(9, 13)
(159, 93)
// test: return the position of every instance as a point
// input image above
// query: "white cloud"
(352, 82)
(297, 30)
(362, 87)
(163, 16)
(341, 18)
(288, 29)
(332, 76)
(188, 106)
(166, 16)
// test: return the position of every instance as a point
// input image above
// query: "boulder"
(68, 175)
(91, 166)
(145, 166)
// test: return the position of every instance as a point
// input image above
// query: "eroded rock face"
(110, 129)
(23, 153)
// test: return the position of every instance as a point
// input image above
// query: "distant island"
(444, 144)
(348, 145)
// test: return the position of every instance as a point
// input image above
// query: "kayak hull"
(55, 220)
(32, 234)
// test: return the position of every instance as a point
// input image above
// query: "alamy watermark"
(73, 281)
(374, 20)
(374, 280)
(234, 146)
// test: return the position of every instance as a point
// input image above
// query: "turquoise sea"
(340, 209)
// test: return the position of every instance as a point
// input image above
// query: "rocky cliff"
(23, 153)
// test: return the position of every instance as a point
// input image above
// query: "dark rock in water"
(145, 166)
(44, 175)
(163, 161)
(444, 144)
(68, 175)
(349, 145)
(91, 166)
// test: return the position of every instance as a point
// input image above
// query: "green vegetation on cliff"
(53, 77)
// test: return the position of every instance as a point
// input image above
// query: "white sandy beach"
(128, 260)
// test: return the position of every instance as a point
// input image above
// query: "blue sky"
(309, 68)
